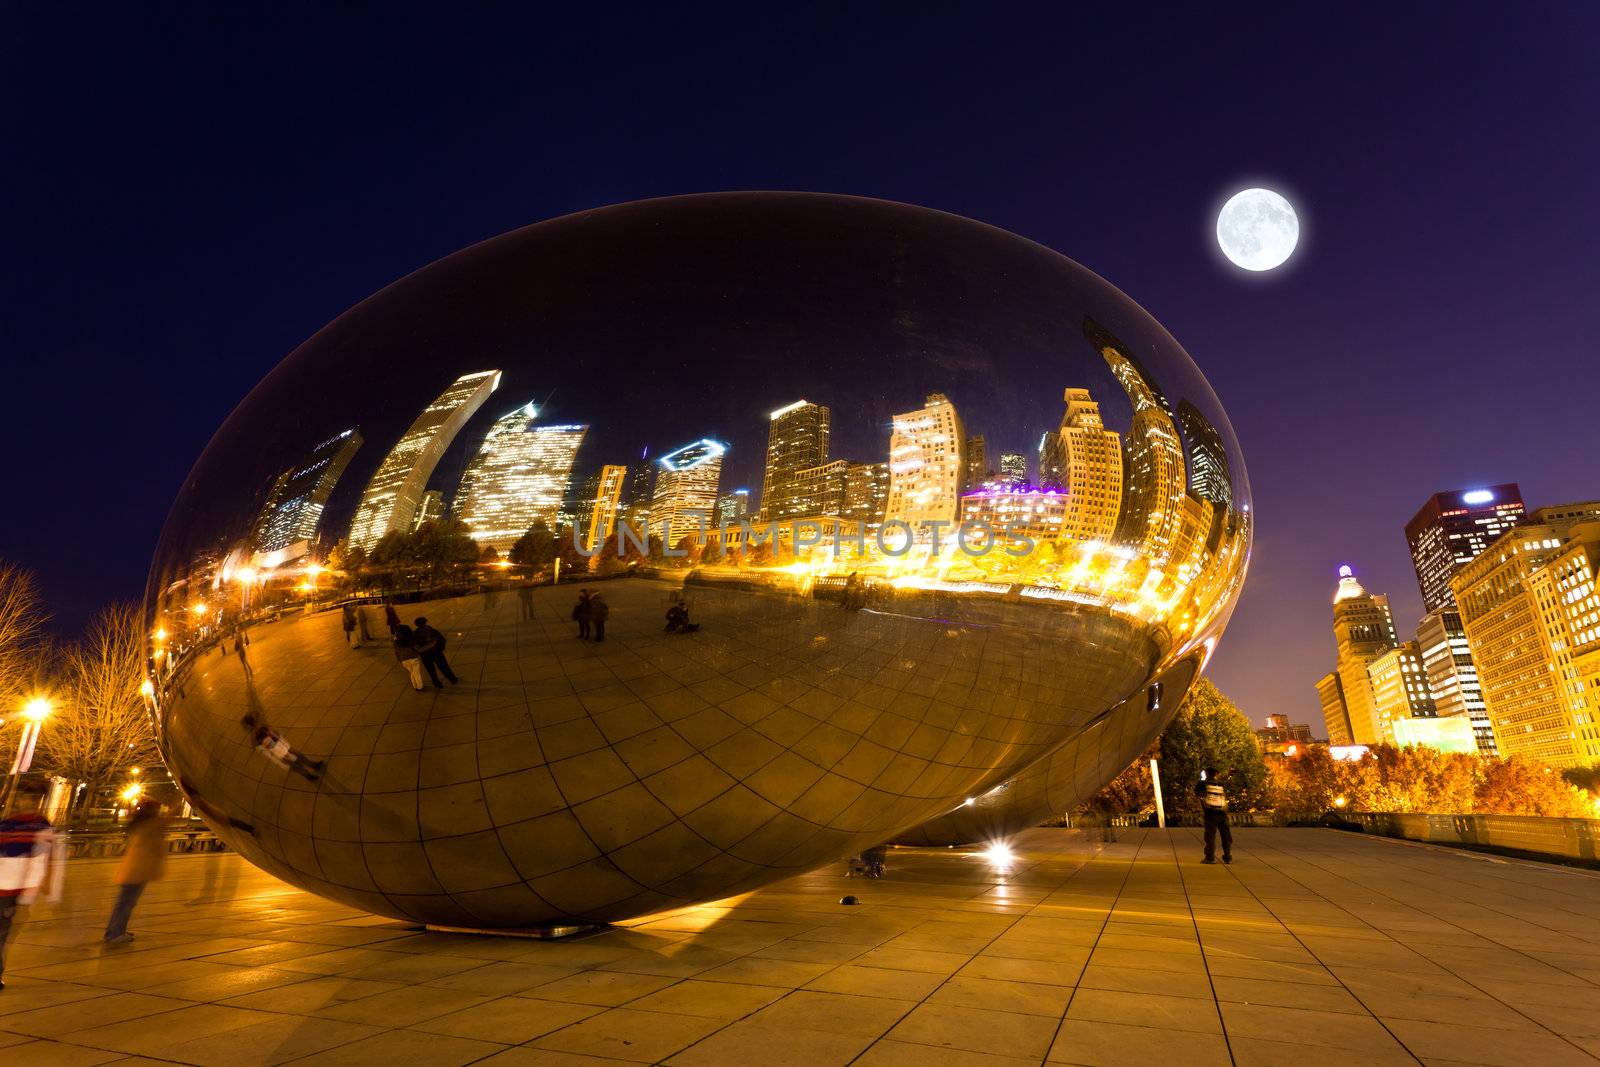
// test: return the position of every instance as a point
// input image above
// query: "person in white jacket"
(31, 854)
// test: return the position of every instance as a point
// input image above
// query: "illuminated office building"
(978, 470)
(1085, 459)
(816, 490)
(1040, 514)
(601, 505)
(1210, 477)
(393, 495)
(1452, 675)
(926, 467)
(1335, 711)
(797, 440)
(431, 509)
(731, 507)
(640, 483)
(294, 505)
(1452, 529)
(1363, 632)
(1153, 471)
(1532, 617)
(1399, 689)
(1013, 469)
(686, 490)
(519, 476)
(866, 494)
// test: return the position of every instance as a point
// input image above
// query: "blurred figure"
(678, 619)
(391, 617)
(491, 593)
(1214, 808)
(351, 636)
(581, 613)
(405, 650)
(143, 858)
(598, 610)
(525, 597)
(430, 648)
(363, 623)
(240, 643)
(31, 854)
(271, 744)
(855, 595)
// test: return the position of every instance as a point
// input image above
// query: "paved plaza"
(1314, 947)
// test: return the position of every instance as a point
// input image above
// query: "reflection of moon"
(1257, 229)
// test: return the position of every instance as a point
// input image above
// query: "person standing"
(143, 858)
(1214, 809)
(598, 610)
(391, 617)
(30, 855)
(582, 612)
(525, 596)
(405, 650)
(430, 646)
(271, 744)
(351, 637)
(363, 624)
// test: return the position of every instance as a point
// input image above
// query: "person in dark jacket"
(405, 650)
(1214, 809)
(430, 646)
(598, 610)
(31, 855)
(391, 617)
(582, 611)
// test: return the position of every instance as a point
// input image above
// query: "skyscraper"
(1335, 711)
(1088, 459)
(392, 496)
(518, 477)
(431, 509)
(1452, 675)
(926, 467)
(294, 505)
(635, 507)
(731, 507)
(1013, 468)
(1210, 477)
(1363, 630)
(1451, 529)
(1399, 689)
(1153, 471)
(602, 503)
(797, 439)
(866, 493)
(816, 491)
(977, 461)
(686, 490)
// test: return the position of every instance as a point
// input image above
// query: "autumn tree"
(1209, 730)
(536, 548)
(1518, 786)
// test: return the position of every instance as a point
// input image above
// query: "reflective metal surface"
(883, 509)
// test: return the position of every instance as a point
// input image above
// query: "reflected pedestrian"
(525, 597)
(31, 854)
(143, 858)
(582, 612)
(363, 623)
(271, 744)
(1214, 809)
(240, 643)
(430, 647)
(598, 610)
(391, 617)
(351, 636)
(405, 650)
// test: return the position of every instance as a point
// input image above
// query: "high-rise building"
(431, 509)
(1452, 675)
(816, 491)
(1014, 469)
(797, 439)
(602, 503)
(1363, 631)
(1086, 459)
(1531, 613)
(926, 468)
(294, 505)
(731, 507)
(1210, 477)
(1451, 529)
(1153, 471)
(519, 476)
(1052, 462)
(635, 508)
(1399, 689)
(1335, 711)
(392, 496)
(866, 494)
(1011, 512)
(978, 470)
(686, 490)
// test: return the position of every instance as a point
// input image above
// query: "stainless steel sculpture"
(989, 503)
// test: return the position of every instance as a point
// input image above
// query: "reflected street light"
(34, 712)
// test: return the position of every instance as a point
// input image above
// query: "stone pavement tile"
(1503, 1048)
(277, 1040)
(1339, 1030)
(1134, 980)
(405, 1006)
(833, 1013)
(1269, 970)
(528, 1056)
(262, 955)
(745, 1043)
(1478, 1011)
(751, 971)
(710, 1000)
(24, 994)
(1030, 998)
(7, 1040)
(55, 1054)
(1014, 970)
(1145, 1009)
(877, 982)
(503, 978)
(311, 994)
(1256, 1052)
(403, 967)
(685, 963)
(340, 961)
(408, 1047)
(1565, 1020)
(510, 1020)
(1286, 994)
(607, 989)
(1067, 957)
(233, 982)
(629, 1034)
(1189, 945)
(1184, 963)
(1102, 1044)
(977, 1030)
(810, 952)
(905, 959)
(905, 1054)
(1374, 981)
(155, 1035)
(64, 1019)
(1277, 949)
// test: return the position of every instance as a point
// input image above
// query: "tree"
(1306, 786)
(1130, 793)
(572, 561)
(21, 622)
(1210, 731)
(488, 555)
(536, 548)
(101, 727)
(1517, 786)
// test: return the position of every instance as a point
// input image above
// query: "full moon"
(1257, 229)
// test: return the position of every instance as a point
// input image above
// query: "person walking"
(271, 744)
(240, 643)
(391, 617)
(598, 610)
(363, 623)
(143, 858)
(525, 597)
(582, 612)
(1214, 809)
(31, 854)
(351, 637)
(405, 650)
(430, 647)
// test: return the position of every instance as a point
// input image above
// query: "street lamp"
(34, 712)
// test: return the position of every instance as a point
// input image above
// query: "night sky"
(191, 194)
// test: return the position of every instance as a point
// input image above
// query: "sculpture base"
(554, 932)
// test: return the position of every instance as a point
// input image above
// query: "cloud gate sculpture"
(750, 529)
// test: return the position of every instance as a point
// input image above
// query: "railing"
(98, 844)
(1577, 839)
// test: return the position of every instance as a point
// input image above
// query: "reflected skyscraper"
(518, 477)
(866, 494)
(1086, 459)
(1209, 474)
(731, 507)
(926, 466)
(395, 491)
(797, 440)
(977, 461)
(293, 510)
(1013, 468)
(601, 505)
(432, 508)
(686, 490)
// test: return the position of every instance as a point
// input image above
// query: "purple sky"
(191, 195)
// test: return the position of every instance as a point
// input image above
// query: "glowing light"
(161, 634)
(147, 689)
(781, 412)
(999, 855)
(1340, 802)
(1477, 496)
(135, 770)
(132, 792)
(1345, 571)
(37, 709)
(245, 575)
(967, 803)
(198, 609)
